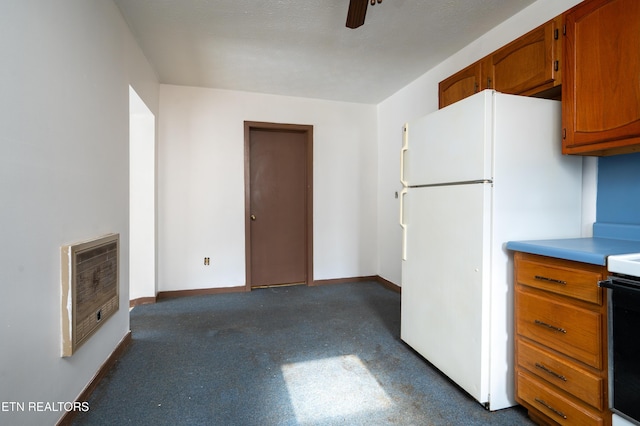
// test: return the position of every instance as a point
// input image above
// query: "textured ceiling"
(302, 47)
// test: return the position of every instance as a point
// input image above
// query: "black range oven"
(624, 337)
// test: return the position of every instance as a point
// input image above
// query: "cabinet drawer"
(571, 330)
(562, 373)
(553, 404)
(559, 279)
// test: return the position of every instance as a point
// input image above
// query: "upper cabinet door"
(601, 88)
(461, 85)
(530, 64)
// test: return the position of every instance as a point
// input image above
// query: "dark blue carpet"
(327, 355)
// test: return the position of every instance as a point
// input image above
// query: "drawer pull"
(558, 412)
(549, 326)
(550, 280)
(553, 373)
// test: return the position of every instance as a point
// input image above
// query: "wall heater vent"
(90, 289)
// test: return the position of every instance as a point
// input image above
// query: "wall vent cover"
(89, 293)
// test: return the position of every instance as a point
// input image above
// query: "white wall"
(201, 184)
(201, 161)
(142, 199)
(421, 97)
(63, 178)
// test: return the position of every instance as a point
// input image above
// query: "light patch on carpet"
(342, 383)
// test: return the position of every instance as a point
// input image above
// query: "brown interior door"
(277, 206)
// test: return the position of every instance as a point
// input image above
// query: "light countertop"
(587, 250)
(608, 239)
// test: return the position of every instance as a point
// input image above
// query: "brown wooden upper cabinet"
(601, 93)
(462, 84)
(529, 65)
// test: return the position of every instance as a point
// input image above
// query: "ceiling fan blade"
(357, 12)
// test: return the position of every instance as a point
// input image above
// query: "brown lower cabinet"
(561, 333)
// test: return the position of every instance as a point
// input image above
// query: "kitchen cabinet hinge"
(556, 34)
(564, 133)
(564, 30)
(556, 65)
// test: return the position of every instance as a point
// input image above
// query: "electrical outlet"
(206, 261)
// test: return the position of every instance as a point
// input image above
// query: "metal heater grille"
(89, 289)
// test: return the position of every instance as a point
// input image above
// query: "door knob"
(253, 217)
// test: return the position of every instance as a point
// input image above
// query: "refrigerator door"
(445, 281)
(452, 144)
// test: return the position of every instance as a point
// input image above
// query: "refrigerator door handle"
(405, 148)
(403, 225)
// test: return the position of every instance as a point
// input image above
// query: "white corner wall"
(142, 199)
(64, 177)
(421, 97)
(201, 184)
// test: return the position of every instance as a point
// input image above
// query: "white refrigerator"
(476, 174)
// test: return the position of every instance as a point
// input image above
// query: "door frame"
(308, 132)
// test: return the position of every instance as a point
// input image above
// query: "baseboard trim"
(344, 280)
(104, 369)
(388, 284)
(200, 292)
(385, 283)
(241, 289)
(142, 301)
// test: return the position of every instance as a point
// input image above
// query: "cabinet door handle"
(549, 326)
(551, 372)
(550, 280)
(558, 412)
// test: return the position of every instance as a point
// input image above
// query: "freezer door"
(449, 145)
(445, 281)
